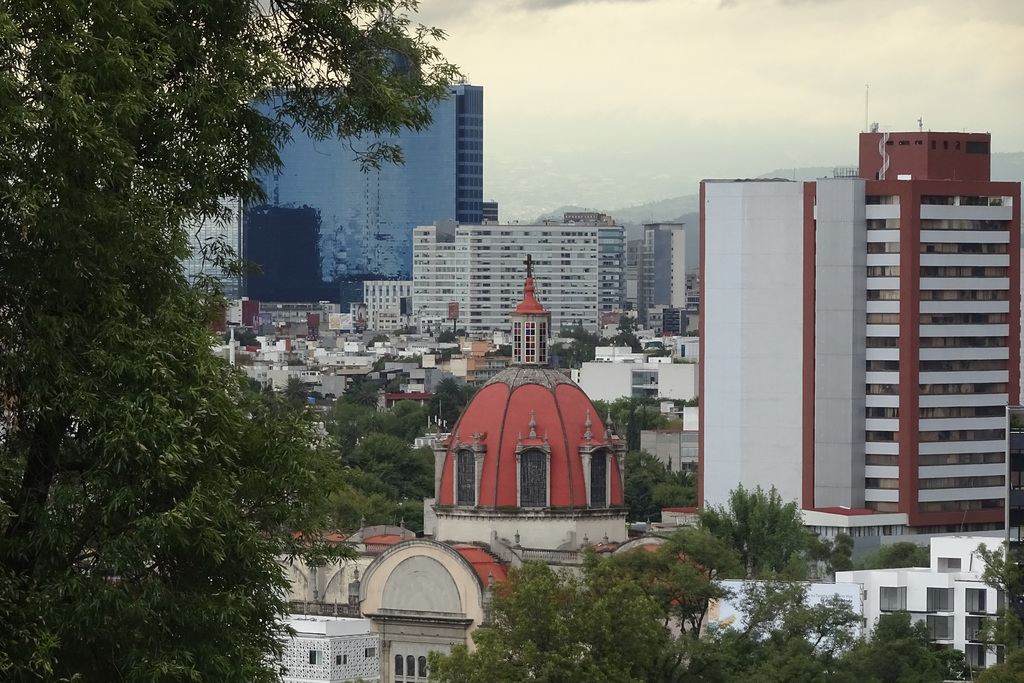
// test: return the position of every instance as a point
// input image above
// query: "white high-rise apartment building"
(860, 335)
(479, 267)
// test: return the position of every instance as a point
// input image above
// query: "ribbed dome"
(521, 412)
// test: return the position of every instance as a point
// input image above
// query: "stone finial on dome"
(533, 426)
(589, 435)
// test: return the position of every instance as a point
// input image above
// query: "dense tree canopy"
(144, 493)
(768, 534)
(551, 628)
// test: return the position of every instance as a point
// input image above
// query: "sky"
(613, 103)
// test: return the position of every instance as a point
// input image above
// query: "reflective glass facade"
(208, 237)
(327, 225)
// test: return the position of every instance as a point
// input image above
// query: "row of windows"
(963, 271)
(960, 435)
(966, 225)
(963, 388)
(964, 294)
(961, 505)
(941, 271)
(937, 319)
(533, 479)
(962, 482)
(963, 248)
(961, 411)
(962, 365)
(942, 295)
(938, 460)
(962, 318)
(939, 435)
(407, 667)
(961, 342)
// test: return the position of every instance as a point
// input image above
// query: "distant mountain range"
(1006, 166)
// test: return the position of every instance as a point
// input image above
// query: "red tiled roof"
(483, 563)
(688, 510)
(389, 539)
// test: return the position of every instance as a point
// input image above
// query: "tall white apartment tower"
(479, 267)
(861, 334)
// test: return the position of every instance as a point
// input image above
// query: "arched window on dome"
(466, 478)
(423, 666)
(599, 479)
(399, 665)
(533, 479)
(410, 666)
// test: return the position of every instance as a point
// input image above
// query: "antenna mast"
(867, 87)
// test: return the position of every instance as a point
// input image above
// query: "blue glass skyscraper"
(328, 225)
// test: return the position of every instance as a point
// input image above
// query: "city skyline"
(611, 103)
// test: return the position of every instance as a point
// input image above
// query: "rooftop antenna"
(867, 88)
(920, 124)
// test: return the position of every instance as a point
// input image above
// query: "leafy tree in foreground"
(681, 575)
(144, 495)
(899, 651)
(551, 628)
(1006, 575)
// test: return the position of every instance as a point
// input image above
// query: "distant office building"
(661, 269)
(208, 237)
(478, 269)
(861, 335)
(388, 303)
(328, 225)
(611, 248)
(634, 253)
(489, 213)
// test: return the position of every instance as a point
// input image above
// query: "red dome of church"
(530, 438)
(531, 428)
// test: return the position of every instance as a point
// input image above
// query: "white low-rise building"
(331, 650)
(949, 596)
(610, 381)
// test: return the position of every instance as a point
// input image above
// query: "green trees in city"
(145, 493)
(769, 535)
(649, 486)
(551, 627)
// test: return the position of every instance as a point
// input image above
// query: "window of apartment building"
(975, 599)
(315, 657)
(340, 660)
(892, 598)
(939, 627)
(940, 600)
(974, 655)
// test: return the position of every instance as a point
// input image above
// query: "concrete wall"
(839, 354)
(752, 326)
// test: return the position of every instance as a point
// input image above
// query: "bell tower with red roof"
(530, 325)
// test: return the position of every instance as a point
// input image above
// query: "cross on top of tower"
(529, 265)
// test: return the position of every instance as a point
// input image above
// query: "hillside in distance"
(1006, 166)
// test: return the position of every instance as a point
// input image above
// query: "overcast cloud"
(606, 103)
